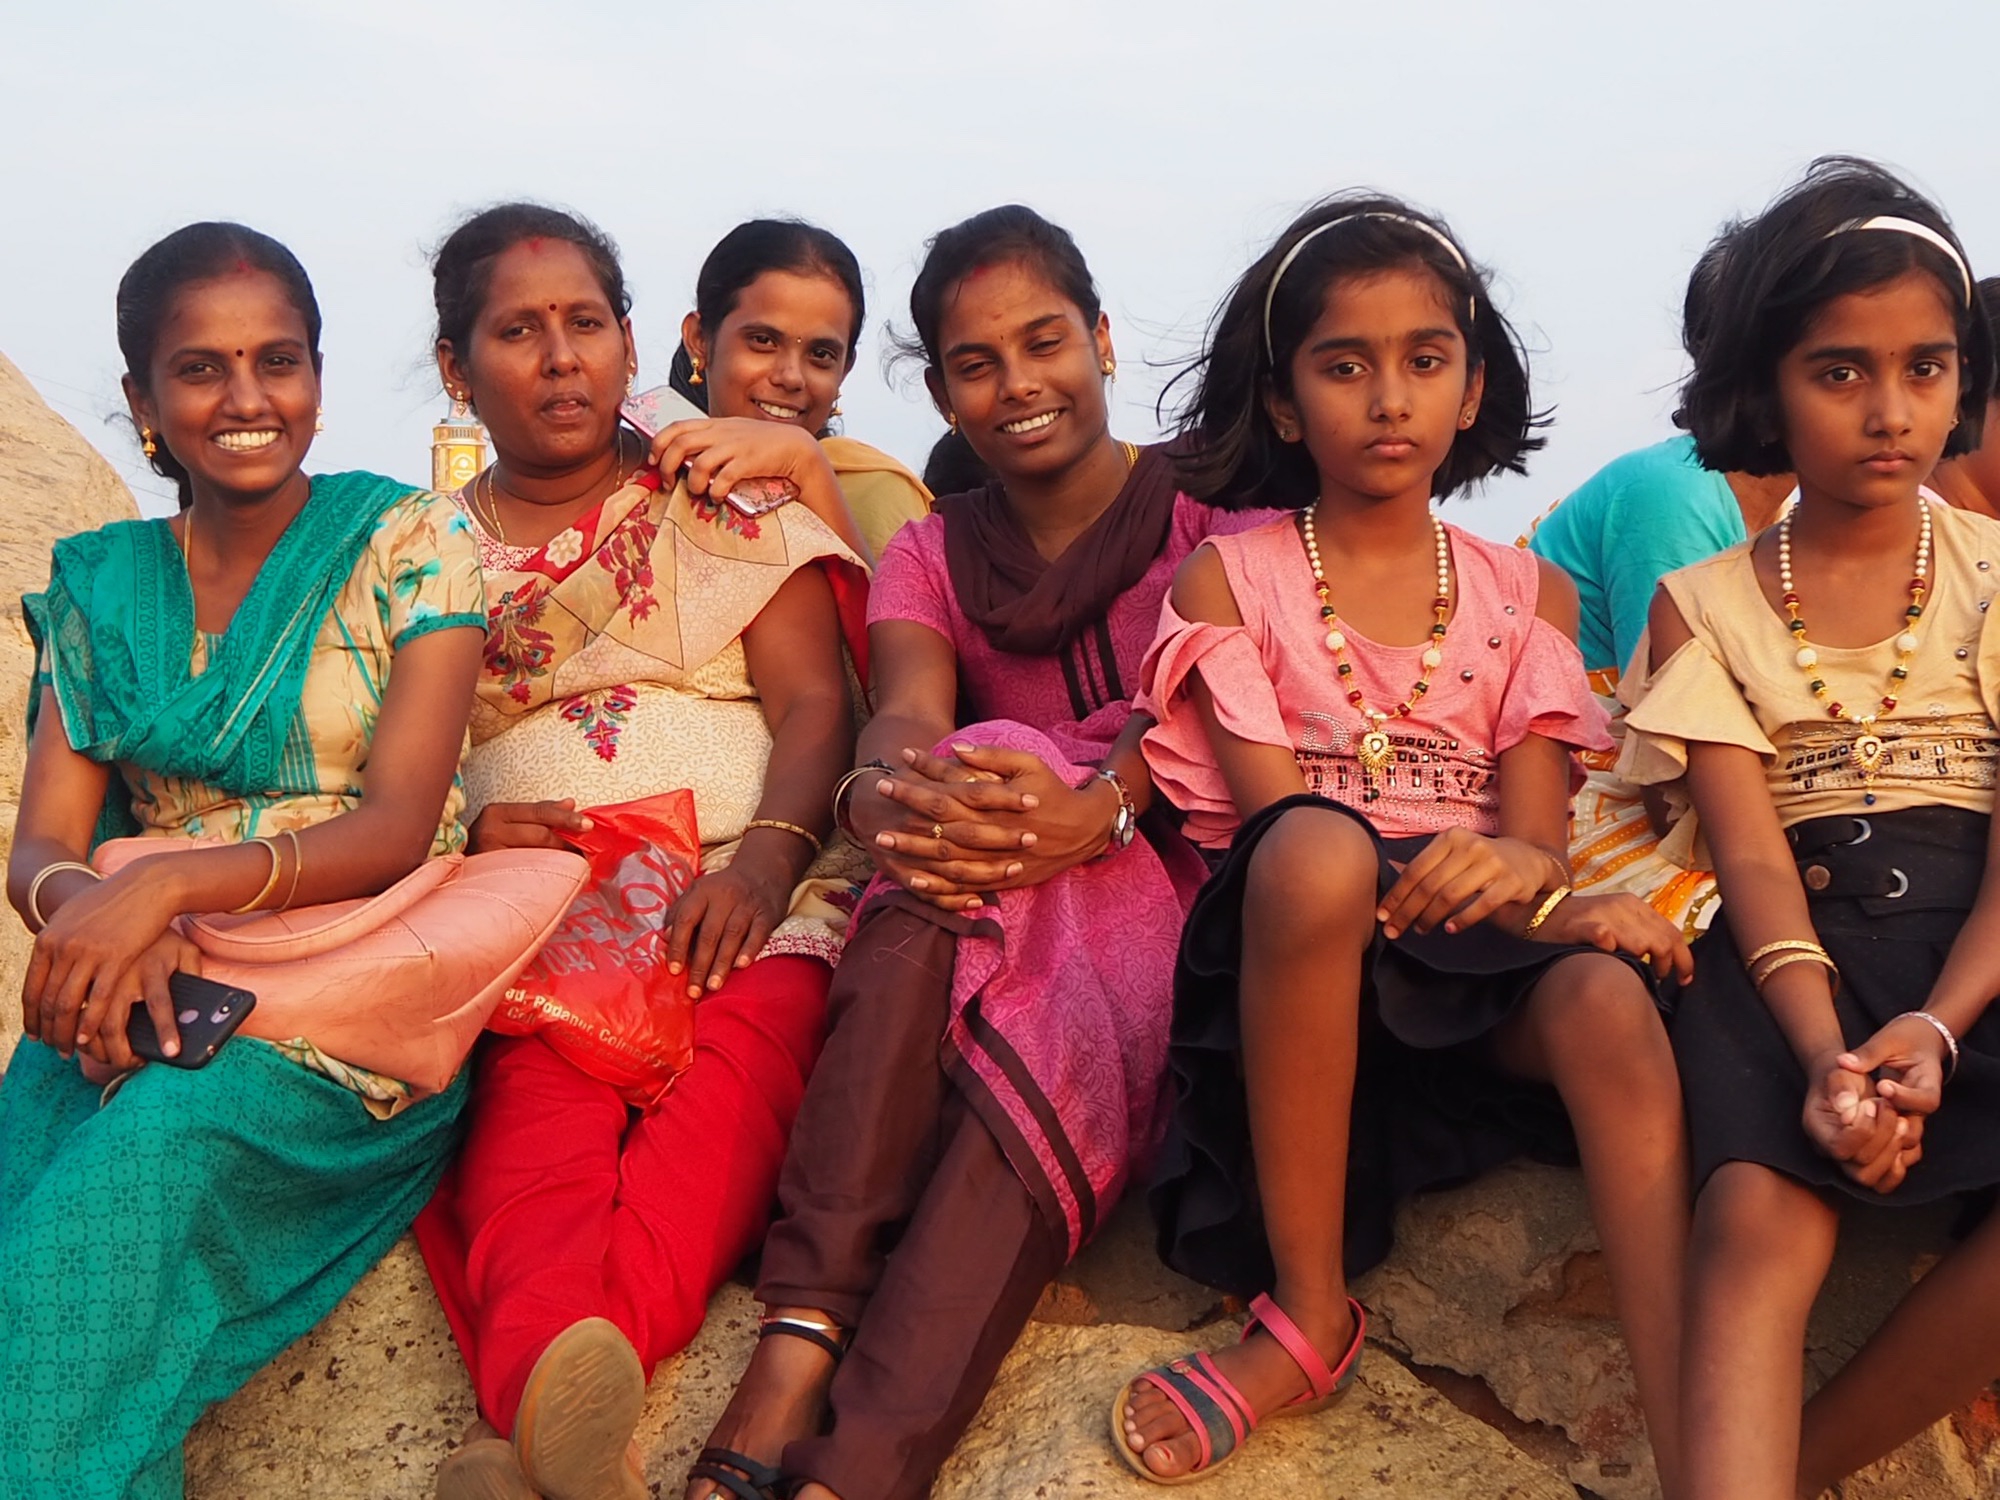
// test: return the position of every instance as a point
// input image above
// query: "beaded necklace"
(1376, 751)
(1866, 752)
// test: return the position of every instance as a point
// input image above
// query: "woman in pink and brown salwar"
(994, 1074)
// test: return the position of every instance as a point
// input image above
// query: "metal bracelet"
(1950, 1041)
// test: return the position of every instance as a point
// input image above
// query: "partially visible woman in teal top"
(1630, 524)
(291, 660)
(1636, 520)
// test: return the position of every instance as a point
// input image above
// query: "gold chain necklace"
(1376, 750)
(490, 514)
(1866, 751)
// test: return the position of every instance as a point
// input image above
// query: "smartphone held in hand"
(206, 1012)
(650, 411)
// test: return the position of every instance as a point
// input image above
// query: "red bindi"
(239, 353)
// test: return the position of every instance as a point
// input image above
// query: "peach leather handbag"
(400, 983)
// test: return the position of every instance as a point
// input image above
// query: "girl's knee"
(1313, 865)
(1750, 1212)
(1596, 1007)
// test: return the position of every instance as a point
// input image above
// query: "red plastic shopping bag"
(599, 992)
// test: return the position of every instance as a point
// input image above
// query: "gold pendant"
(1867, 752)
(1376, 752)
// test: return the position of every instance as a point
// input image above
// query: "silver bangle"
(1950, 1041)
(34, 901)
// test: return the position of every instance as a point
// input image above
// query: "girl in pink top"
(1368, 717)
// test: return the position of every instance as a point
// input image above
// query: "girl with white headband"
(1821, 708)
(1368, 718)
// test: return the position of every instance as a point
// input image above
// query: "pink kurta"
(1061, 998)
(1506, 674)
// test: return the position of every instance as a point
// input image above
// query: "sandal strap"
(738, 1473)
(1216, 1411)
(1323, 1379)
(799, 1328)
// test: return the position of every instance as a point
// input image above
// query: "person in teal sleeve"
(1637, 519)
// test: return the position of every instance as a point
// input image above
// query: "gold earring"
(1110, 368)
(833, 410)
(951, 420)
(694, 372)
(146, 444)
(319, 420)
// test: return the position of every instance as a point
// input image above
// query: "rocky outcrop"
(1496, 1370)
(52, 483)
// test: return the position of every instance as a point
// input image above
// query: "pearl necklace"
(1866, 752)
(1376, 751)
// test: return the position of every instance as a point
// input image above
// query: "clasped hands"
(1461, 878)
(953, 829)
(1866, 1108)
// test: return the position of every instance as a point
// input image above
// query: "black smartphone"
(206, 1012)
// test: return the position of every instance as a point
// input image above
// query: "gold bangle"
(277, 868)
(1783, 945)
(1760, 980)
(1543, 912)
(34, 901)
(783, 827)
(298, 869)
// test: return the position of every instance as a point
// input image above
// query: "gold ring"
(937, 832)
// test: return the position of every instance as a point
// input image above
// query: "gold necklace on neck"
(490, 513)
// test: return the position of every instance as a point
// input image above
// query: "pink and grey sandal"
(1217, 1412)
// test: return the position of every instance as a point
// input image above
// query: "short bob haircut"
(1771, 275)
(1233, 456)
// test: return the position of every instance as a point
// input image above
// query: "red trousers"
(567, 1204)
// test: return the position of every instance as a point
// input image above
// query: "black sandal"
(826, 1335)
(743, 1477)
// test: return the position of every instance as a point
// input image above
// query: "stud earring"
(694, 371)
(1288, 434)
(146, 444)
(1110, 368)
(319, 420)
(951, 420)
(833, 410)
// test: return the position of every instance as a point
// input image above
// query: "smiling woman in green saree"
(273, 686)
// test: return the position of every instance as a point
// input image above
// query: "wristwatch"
(1126, 824)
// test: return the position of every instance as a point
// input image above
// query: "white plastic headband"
(1890, 222)
(1271, 292)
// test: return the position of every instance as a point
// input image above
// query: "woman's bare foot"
(781, 1398)
(1260, 1368)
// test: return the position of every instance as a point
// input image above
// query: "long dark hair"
(198, 252)
(747, 252)
(1233, 456)
(1771, 275)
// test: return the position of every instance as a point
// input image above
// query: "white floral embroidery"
(565, 548)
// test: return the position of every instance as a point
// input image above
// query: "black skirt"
(1431, 1109)
(1888, 894)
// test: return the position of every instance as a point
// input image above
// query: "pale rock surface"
(52, 483)
(1495, 1296)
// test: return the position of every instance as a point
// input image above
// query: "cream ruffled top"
(1738, 682)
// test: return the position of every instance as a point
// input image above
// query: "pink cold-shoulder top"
(1506, 674)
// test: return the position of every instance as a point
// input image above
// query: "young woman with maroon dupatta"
(993, 1075)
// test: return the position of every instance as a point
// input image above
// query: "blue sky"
(1586, 151)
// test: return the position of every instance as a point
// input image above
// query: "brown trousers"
(901, 1218)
